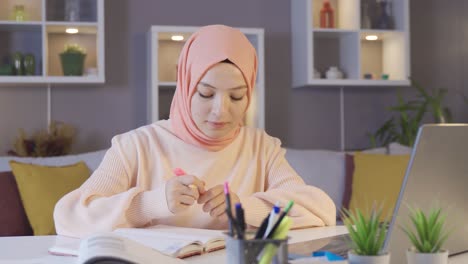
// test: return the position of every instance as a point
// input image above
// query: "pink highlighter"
(180, 172)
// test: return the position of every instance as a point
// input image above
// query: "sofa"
(325, 169)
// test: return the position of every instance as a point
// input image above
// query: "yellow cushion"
(41, 187)
(377, 178)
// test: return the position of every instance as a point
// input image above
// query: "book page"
(175, 241)
(119, 250)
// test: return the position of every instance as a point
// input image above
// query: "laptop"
(437, 173)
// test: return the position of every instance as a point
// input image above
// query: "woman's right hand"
(183, 191)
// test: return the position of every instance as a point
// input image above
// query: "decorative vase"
(72, 10)
(358, 259)
(72, 63)
(334, 73)
(29, 63)
(414, 257)
(17, 60)
(18, 13)
(383, 20)
(327, 15)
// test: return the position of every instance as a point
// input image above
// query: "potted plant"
(428, 237)
(367, 234)
(56, 140)
(72, 59)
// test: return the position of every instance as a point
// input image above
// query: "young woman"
(135, 185)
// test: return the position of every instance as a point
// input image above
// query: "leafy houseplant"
(367, 235)
(428, 238)
(72, 59)
(404, 128)
(55, 141)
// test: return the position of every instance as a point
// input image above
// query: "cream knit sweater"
(128, 188)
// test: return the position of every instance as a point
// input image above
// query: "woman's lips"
(217, 125)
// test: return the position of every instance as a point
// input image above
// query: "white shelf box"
(398, 10)
(386, 55)
(57, 39)
(336, 48)
(164, 54)
(56, 11)
(342, 46)
(24, 38)
(344, 13)
(32, 10)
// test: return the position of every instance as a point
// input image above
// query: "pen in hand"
(180, 172)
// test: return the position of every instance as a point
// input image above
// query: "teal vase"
(29, 63)
(72, 63)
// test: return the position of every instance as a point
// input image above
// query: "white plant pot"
(358, 259)
(414, 257)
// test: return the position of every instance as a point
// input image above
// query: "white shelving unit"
(164, 53)
(345, 45)
(43, 34)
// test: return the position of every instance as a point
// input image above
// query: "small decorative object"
(57, 140)
(316, 74)
(368, 76)
(72, 10)
(29, 63)
(6, 69)
(18, 13)
(91, 71)
(385, 76)
(334, 73)
(327, 15)
(428, 238)
(17, 59)
(72, 59)
(383, 20)
(367, 236)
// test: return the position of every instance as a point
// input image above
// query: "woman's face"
(220, 100)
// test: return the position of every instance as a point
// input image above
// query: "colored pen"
(228, 208)
(272, 220)
(263, 226)
(278, 222)
(240, 220)
(180, 172)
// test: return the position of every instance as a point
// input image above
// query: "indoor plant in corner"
(367, 235)
(428, 238)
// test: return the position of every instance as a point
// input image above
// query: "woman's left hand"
(214, 201)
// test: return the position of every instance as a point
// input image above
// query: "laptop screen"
(437, 175)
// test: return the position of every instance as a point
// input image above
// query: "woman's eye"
(237, 98)
(205, 95)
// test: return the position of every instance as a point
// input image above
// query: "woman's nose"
(221, 105)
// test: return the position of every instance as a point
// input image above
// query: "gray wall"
(301, 118)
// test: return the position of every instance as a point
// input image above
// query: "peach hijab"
(205, 48)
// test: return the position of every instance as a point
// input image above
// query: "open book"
(172, 241)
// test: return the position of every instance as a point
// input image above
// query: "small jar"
(317, 74)
(334, 73)
(19, 13)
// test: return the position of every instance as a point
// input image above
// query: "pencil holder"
(253, 251)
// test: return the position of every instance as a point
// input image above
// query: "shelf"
(360, 82)
(168, 84)
(42, 79)
(345, 46)
(46, 39)
(164, 54)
